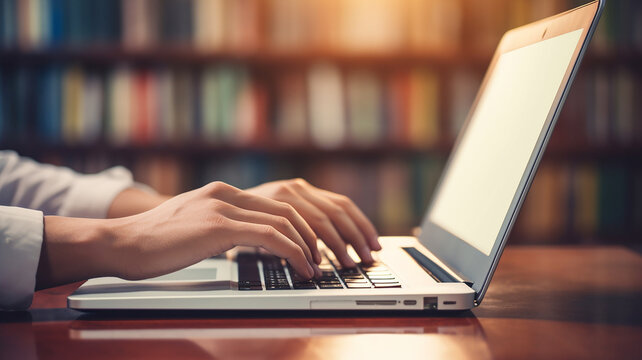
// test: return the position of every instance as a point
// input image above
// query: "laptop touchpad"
(189, 274)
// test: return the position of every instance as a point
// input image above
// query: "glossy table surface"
(544, 302)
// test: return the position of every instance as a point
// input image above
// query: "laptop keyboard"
(262, 271)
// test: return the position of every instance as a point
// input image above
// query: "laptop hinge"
(434, 270)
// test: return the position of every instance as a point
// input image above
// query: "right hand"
(206, 222)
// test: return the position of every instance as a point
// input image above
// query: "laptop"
(450, 264)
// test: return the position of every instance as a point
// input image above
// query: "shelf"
(188, 55)
(196, 149)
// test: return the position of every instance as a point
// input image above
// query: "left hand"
(333, 217)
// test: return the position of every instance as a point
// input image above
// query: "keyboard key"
(330, 286)
(373, 267)
(353, 277)
(278, 287)
(250, 285)
(304, 285)
(358, 286)
(384, 281)
(347, 271)
(248, 271)
(356, 281)
(331, 281)
(382, 276)
(386, 272)
(391, 285)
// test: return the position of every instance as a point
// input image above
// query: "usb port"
(430, 303)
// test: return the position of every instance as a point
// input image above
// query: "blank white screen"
(492, 156)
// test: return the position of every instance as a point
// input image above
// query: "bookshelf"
(361, 97)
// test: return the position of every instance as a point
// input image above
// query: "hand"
(177, 233)
(332, 216)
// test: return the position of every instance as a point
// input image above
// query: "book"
(398, 107)
(613, 200)
(423, 112)
(228, 89)
(120, 106)
(435, 25)
(326, 106)
(250, 113)
(291, 120)
(92, 109)
(2, 108)
(585, 192)
(464, 86)
(364, 96)
(145, 112)
(184, 101)
(395, 204)
(140, 21)
(73, 102)
(371, 25)
(209, 104)
(211, 23)
(8, 36)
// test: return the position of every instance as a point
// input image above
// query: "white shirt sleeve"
(46, 190)
(20, 242)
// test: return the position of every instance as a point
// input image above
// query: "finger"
(322, 225)
(280, 223)
(357, 216)
(270, 239)
(249, 201)
(304, 209)
(340, 219)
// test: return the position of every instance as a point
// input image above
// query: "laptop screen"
(492, 155)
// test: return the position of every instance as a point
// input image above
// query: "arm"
(281, 217)
(133, 201)
(177, 233)
(71, 245)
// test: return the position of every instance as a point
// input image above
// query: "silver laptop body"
(449, 266)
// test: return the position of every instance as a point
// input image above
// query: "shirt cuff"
(91, 195)
(21, 234)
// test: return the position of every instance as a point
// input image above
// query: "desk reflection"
(245, 338)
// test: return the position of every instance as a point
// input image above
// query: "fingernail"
(350, 262)
(317, 258)
(310, 271)
(376, 246)
(369, 257)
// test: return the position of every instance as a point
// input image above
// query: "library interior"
(364, 98)
(360, 97)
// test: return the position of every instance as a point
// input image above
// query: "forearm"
(134, 201)
(75, 249)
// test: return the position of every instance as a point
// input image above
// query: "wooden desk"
(544, 302)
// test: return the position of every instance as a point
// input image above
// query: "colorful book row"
(219, 105)
(347, 25)
(323, 106)
(588, 201)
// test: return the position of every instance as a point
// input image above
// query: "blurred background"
(363, 97)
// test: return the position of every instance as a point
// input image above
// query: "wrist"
(75, 249)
